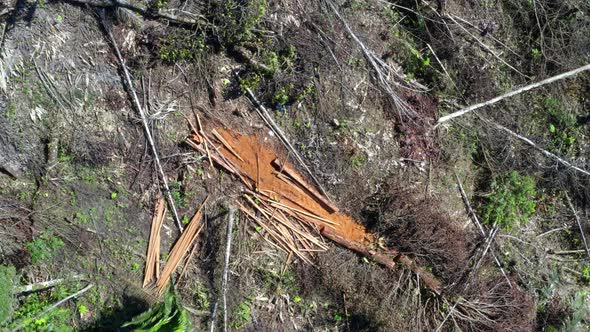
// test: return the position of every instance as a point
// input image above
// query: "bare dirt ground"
(357, 88)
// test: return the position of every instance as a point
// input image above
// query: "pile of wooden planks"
(178, 252)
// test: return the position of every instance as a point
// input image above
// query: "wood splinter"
(293, 174)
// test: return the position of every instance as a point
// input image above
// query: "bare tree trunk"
(514, 93)
(230, 226)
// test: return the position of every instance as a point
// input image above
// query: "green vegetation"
(237, 20)
(164, 316)
(180, 46)
(201, 297)
(562, 127)
(82, 218)
(249, 81)
(357, 161)
(579, 310)
(176, 192)
(58, 319)
(416, 63)
(44, 247)
(7, 279)
(511, 202)
(242, 315)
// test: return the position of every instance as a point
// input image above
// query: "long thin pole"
(514, 93)
(148, 132)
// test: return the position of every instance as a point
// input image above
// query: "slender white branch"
(230, 226)
(536, 147)
(42, 285)
(146, 126)
(486, 47)
(515, 92)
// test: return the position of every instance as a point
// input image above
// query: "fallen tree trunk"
(429, 280)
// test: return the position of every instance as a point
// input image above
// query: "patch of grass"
(562, 126)
(7, 280)
(511, 202)
(242, 315)
(58, 319)
(180, 46)
(201, 297)
(44, 247)
(357, 161)
(82, 217)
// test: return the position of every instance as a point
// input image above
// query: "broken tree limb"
(226, 144)
(486, 47)
(571, 206)
(535, 146)
(514, 93)
(180, 249)
(153, 250)
(293, 174)
(429, 280)
(381, 69)
(146, 126)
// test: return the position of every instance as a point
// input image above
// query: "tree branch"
(531, 143)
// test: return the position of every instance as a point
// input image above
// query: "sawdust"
(256, 166)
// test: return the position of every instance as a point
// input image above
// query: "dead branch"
(44, 285)
(146, 126)
(381, 69)
(571, 206)
(514, 93)
(153, 251)
(180, 248)
(538, 148)
(486, 47)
